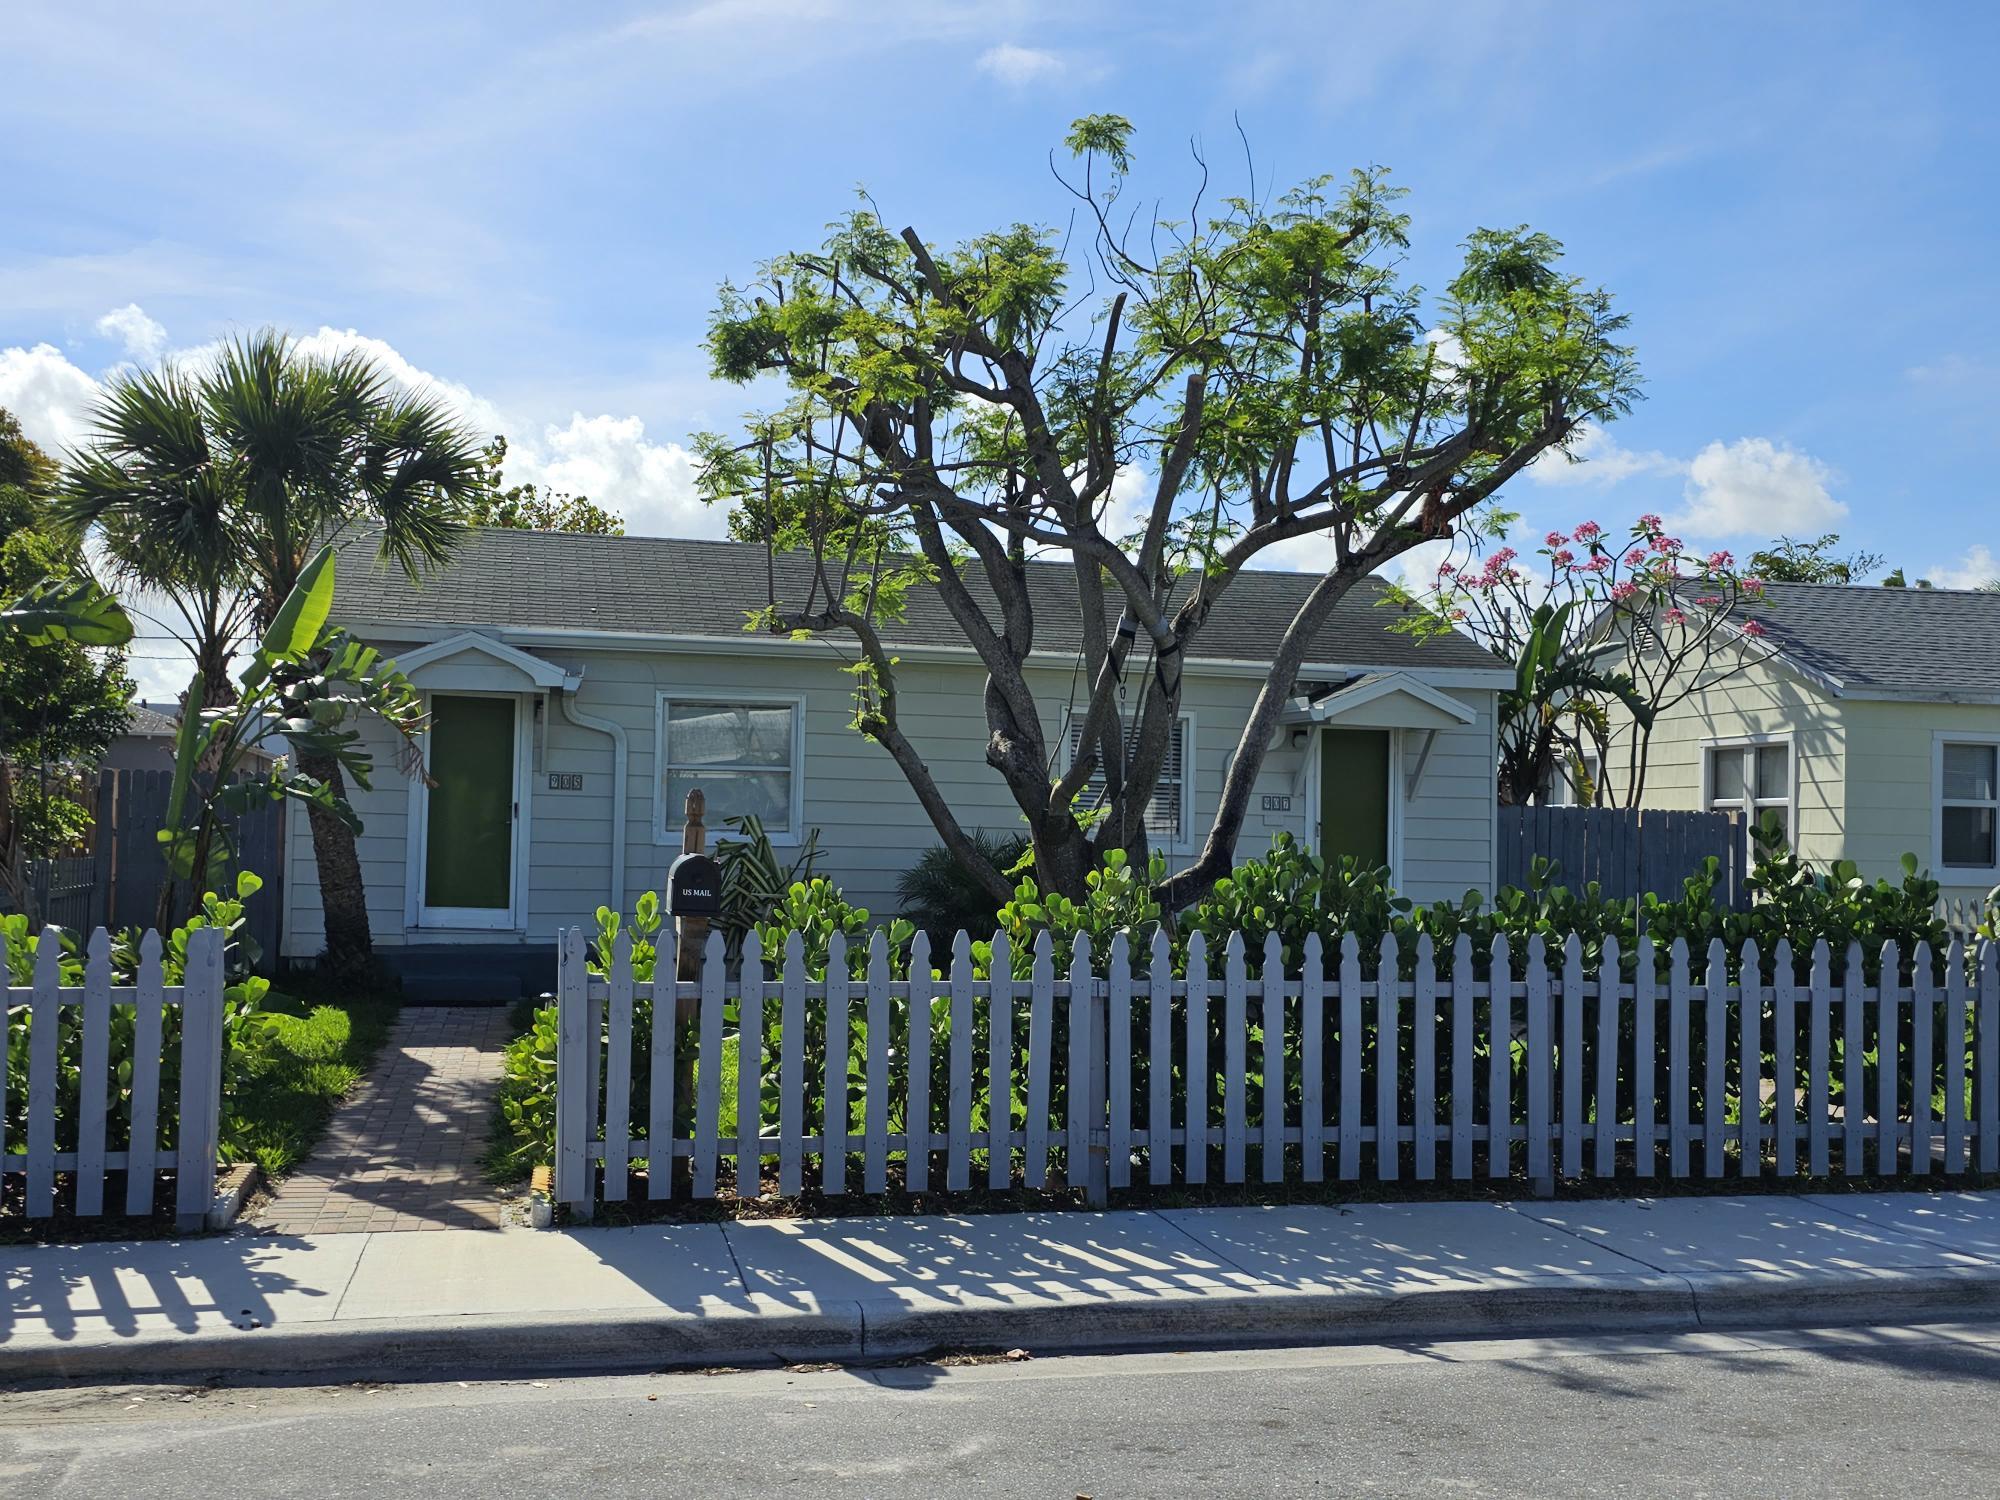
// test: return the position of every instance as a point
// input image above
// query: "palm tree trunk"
(350, 948)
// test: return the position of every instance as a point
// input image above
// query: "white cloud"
(49, 395)
(1595, 457)
(1976, 569)
(141, 336)
(1754, 487)
(612, 460)
(1019, 66)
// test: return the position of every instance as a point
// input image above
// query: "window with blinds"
(1168, 812)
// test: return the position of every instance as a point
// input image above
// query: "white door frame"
(513, 916)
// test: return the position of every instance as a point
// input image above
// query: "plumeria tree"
(1151, 405)
(1606, 633)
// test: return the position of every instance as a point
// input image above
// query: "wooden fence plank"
(1000, 1066)
(1233, 1064)
(1645, 1023)
(1312, 1062)
(1678, 1002)
(1818, 1063)
(1160, 1063)
(1750, 1070)
(880, 1039)
(618, 1071)
(1957, 1015)
(1424, 1057)
(1717, 993)
(1077, 1077)
(1609, 981)
(750, 1070)
(1572, 1057)
(958, 1104)
(201, 1078)
(1462, 1005)
(834, 1114)
(917, 1109)
(1350, 1058)
(1194, 1161)
(1539, 1050)
(1986, 1075)
(1784, 1060)
(1853, 1097)
(1888, 1031)
(142, 1155)
(663, 1072)
(1388, 1061)
(792, 1067)
(708, 1085)
(1923, 1073)
(93, 1081)
(1272, 977)
(1041, 1010)
(1118, 1058)
(44, 1036)
(1500, 1066)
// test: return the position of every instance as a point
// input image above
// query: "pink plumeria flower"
(1620, 592)
(1555, 538)
(1753, 628)
(1719, 560)
(1635, 558)
(1676, 617)
(1589, 531)
(1562, 557)
(1649, 523)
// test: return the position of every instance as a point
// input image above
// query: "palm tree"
(263, 459)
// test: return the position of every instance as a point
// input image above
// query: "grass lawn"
(324, 1039)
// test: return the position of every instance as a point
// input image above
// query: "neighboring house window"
(1169, 813)
(1559, 786)
(1969, 811)
(1755, 780)
(743, 753)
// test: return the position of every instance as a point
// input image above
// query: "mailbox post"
(694, 889)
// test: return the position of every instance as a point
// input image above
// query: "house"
(1866, 719)
(148, 740)
(578, 686)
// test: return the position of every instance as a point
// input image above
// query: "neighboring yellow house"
(1867, 718)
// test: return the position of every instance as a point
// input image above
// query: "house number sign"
(1277, 803)
(565, 781)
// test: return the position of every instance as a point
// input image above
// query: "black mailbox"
(694, 886)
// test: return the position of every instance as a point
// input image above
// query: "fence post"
(575, 1059)
(1986, 1062)
(1097, 1173)
(201, 1079)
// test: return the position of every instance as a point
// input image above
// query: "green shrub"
(942, 897)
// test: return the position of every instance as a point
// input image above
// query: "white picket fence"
(68, 1128)
(1287, 1076)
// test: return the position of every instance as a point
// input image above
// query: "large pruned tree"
(1262, 373)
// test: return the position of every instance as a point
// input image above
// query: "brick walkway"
(403, 1152)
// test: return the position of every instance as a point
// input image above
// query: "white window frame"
(1939, 739)
(1565, 789)
(1753, 805)
(1184, 844)
(669, 822)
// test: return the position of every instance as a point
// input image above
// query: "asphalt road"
(1850, 1412)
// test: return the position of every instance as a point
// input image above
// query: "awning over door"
(1380, 700)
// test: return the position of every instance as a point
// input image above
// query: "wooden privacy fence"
(118, 1077)
(1628, 851)
(1344, 1066)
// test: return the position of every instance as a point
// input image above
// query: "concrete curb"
(463, 1347)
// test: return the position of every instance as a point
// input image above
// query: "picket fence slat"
(1358, 1050)
(618, 1072)
(93, 1063)
(917, 1106)
(1234, 1071)
(1388, 1064)
(1272, 976)
(834, 1116)
(149, 1006)
(662, 1100)
(45, 1019)
(958, 1118)
(1194, 1169)
(201, 1078)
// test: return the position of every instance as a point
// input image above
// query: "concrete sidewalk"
(520, 1302)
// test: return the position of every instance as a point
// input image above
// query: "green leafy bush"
(942, 897)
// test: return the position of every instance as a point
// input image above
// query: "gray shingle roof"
(1911, 642)
(140, 719)
(674, 586)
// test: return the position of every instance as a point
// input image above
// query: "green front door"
(469, 831)
(1354, 795)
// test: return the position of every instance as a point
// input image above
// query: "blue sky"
(531, 205)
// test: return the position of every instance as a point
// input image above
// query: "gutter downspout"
(582, 720)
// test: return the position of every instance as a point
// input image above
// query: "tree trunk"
(350, 949)
(1063, 857)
